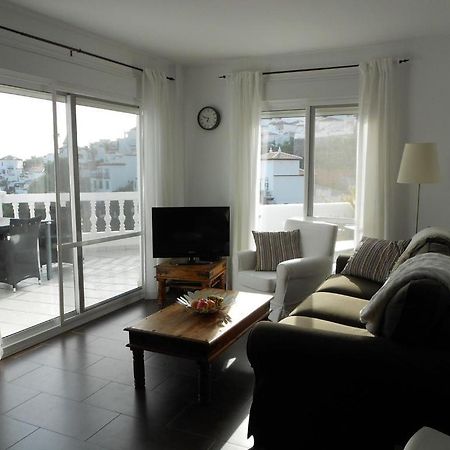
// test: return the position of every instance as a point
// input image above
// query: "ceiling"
(198, 31)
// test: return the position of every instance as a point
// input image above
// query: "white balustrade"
(93, 204)
(122, 215)
(88, 200)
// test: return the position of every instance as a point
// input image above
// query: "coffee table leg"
(204, 382)
(138, 367)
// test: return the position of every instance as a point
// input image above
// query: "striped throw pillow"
(374, 258)
(272, 247)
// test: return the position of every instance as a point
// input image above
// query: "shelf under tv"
(190, 276)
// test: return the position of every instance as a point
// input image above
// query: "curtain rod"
(73, 49)
(401, 61)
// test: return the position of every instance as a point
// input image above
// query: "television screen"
(197, 232)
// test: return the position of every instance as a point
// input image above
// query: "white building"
(10, 170)
(282, 178)
(113, 176)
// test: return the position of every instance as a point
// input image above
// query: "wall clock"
(208, 118)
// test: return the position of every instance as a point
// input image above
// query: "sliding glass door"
(27, 190)
(74, 162)
(107, 176)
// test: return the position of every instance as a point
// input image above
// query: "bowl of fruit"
(203, 305)
(207, 305)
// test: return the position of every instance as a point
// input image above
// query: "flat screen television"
(199, 233)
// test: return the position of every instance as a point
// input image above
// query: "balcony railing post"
(32, 207)
(137, 225)
(15, 206)
(47, 211)
(93, 216)
(121, 215)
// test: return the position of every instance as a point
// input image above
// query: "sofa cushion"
(348, 285)
(258, 281)
(333, 307)
(374, 259)
(273, 247)
(324, 325)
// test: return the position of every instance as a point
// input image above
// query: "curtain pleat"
(163, 159)
(246, 92)
(378, 138)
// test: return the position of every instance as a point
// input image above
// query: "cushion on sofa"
(273, 247)
(349, 285)
(374, 259)
(333, 307)
(324, 325)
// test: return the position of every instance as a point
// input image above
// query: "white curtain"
(378, 138)
(246, 94)
(163, 158)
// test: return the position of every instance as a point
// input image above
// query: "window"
(308, 167)
(88, 247)
(282, 158)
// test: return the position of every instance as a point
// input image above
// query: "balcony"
(110, 268)
(102, 213)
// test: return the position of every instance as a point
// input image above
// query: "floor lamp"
(419, 165)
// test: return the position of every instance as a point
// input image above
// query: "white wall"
(426, 118)
(30, 63)
(429, 121)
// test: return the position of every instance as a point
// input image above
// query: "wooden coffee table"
(178, 331)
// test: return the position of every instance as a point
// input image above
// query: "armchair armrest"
(304, 267)
(246, 260)
(296, 279)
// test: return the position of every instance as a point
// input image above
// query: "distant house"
(115, 175)
(282, 178)
(10, 171)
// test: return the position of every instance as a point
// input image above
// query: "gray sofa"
(322, 380)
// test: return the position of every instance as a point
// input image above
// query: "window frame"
(64, 321)
(308, 110)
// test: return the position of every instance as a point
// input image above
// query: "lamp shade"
(419, 164)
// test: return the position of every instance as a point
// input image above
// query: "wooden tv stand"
(191, 276)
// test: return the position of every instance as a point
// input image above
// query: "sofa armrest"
(337, 379)
(341, 261)
(428, 439)
(246, 260)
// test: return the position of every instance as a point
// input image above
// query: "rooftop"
(280, 155)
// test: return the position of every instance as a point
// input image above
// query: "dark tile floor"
(75, 392)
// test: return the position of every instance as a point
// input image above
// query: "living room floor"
(75, 392)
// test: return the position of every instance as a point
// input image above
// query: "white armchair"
(294, 279)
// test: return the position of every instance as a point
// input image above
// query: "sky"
(26, 127)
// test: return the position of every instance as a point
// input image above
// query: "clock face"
(208, 118)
